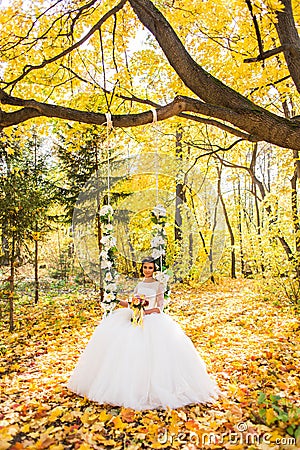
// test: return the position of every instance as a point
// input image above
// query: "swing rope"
(156, 164)
(109, 127)
(154, 121)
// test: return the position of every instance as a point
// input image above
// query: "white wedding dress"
(142, 367)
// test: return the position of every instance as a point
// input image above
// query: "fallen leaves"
(250, 347)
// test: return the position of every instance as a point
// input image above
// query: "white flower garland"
(108, 271)
(108, 243)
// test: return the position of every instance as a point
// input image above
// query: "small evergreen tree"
(25, 195)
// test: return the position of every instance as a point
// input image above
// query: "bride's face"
(148, 269)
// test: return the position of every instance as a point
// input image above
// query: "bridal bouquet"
(137, 304)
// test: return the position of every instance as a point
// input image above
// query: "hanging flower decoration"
(158, 246)
(159, 212)
(163, 276)
(158, 242)
(109, 274)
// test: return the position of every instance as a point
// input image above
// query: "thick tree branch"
(218, 101)
(32, 108)
(230, 105)
(200, 82)
(290, 41)
(221, 126)
(180, 103)
(199, 119)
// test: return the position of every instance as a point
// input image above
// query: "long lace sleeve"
(160, 295)
(135, 291)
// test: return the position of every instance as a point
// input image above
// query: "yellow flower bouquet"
(137, 304)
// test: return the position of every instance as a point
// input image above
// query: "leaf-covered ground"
(249, 341)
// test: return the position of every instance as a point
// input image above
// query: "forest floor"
(249, 340)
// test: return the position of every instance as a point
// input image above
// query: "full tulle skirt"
(142, 367)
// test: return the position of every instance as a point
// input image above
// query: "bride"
(142, 367)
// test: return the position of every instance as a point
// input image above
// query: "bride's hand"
(123, 303)
(151, 311)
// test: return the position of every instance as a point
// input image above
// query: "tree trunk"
(268, 208)
(12, 285)
(257, 209)
(36, 271)
(238, 203)
(210, 255)
(180, 194)
(4, 259)
(230, 230)
(289, 39)
(295, 213)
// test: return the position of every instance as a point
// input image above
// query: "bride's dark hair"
(148, 259)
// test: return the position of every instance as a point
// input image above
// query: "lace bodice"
(154, 293)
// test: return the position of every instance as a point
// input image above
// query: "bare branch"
(264, 55)
(76, 75)
(22, 38)
(214, 152)
(103, 67)
(270, 84)
(27, 69)
(257, 30)
(250, 171)
(79, 13)
(221, 126)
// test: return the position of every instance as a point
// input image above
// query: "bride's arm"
(124, 302)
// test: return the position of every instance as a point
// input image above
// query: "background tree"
(80, 151)
(24, 200)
